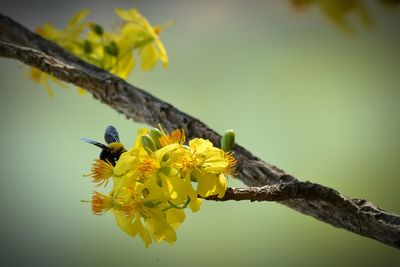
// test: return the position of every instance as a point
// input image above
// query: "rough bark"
(323, 203)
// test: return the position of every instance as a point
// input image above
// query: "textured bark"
(323, 203)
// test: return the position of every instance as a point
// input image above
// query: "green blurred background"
(308, 95)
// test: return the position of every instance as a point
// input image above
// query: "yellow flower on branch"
(147, 37)
(113, 51)
(158, 178)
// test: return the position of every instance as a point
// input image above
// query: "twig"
(326, 204)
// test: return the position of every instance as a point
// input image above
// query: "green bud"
(112, 49)
(96, 28)
(156, 134)
(87, 47)
(228, 140)
(148, 143)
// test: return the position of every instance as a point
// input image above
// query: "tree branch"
(280, 192)
(323, 203)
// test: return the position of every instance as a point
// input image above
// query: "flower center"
(148, 166)
(189, 163)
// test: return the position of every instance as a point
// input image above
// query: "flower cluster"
(158, 178)
(111, 51)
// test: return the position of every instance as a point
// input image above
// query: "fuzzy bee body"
(113, 150)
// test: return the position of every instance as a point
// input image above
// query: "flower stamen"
(101, 203)
(177, 136)
(148, 166)
(231, 167)
(101, 171)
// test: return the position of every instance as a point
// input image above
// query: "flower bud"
(228, 140)
(96, 28)
(148, 143)
(112, 49)
(87, 47)
(156, 134)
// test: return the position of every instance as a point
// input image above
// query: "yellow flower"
(153, 182)
(111, 51)
(212, 164)
(135, 214)
(211, 159)
(133, 164)
(67, 38)
(151, 47)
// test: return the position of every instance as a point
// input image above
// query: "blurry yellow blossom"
(338, 11)
(112, 51)
(44, 79)
(148, 41)
(157, 179)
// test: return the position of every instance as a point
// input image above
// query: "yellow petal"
(124, 164)
(220, 187)
(157, 192)
(78, 17)
(125, 66)
(48, 89)
(162, 53)
(175, 217)
(128, 15)
(177, 189)
(205, 185)
(36, 75)
(129, 33)
(144, 234)
(160, 229)
(149, 56)
(200, 145)
(47, 31)
(125, 223)
(195, 202)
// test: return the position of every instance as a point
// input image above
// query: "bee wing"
(90, 141)
(111, 135)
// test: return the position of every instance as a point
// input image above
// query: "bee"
(113, 150)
